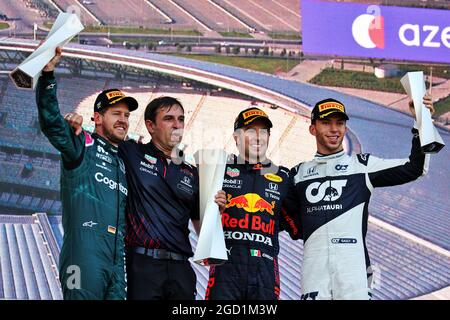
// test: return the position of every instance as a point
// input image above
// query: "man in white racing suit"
(334, 190)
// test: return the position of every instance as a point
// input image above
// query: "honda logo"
(311, 170)
(273, 186)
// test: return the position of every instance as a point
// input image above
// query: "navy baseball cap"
(249, 115)
(327, 107)
(110, 97)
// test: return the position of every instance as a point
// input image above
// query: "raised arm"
(52, 123)
(384, 173)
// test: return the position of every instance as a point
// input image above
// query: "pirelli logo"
(331, 105)
(254, 112)
(114, 94)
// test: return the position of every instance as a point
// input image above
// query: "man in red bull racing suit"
(253, 216)
(334, 190)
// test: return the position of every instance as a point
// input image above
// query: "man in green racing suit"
(93, 191)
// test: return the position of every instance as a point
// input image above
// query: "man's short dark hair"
(159, 103)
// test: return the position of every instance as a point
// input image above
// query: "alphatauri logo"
(368, 31)
(326, 191)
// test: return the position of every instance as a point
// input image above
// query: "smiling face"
(329, 133)
(252, 141)
(112, 124)
(167, 129)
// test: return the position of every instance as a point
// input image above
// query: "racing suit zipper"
(328, 238)
(118, 211)
(165, 164)
(253, 190)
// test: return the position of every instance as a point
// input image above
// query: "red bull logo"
(254, 223)
(262, 205)
(240, 202)
(251, 202)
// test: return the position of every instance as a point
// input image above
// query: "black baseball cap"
(109, 97)
(249, 115)
(327, 107)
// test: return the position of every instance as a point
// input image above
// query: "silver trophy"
(430, 140)
(66, 26)
(211, 249)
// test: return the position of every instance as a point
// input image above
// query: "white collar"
(325, 158)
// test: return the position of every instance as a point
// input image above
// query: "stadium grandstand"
(408, 235)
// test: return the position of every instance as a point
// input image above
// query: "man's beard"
(111, 136)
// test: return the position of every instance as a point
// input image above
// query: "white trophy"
(211, 249)
(66, 26)
(430, 140)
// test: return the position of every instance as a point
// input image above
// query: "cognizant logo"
(110, 183)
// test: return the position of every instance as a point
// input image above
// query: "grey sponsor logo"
(148, 171)
(186, 181)
(100, 149)
(246, 236)
(104, 157)
(343, 240)
(90, 224)
(103, 166)
(325, 207)
(232, 183)
(311, 172)
(185, 188)
(272, 196)
(265, 255)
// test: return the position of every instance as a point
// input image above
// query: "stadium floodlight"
(66, 26)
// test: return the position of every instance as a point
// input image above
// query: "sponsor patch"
(114, 94)
(104, 158)
(254, 112)
(112, 229)
(343, 240)
(186, 181)
(250, 202)
(248, 222)
(247, 236)
(363, 158)
(331, 105)
(273, 177)
(150, 159)
(185, 188)
(233, 172)
(255, 253)
(89, 224)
